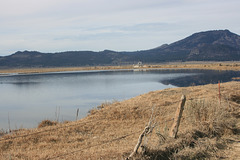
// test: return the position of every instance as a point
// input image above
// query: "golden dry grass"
(177, 65)
(112, 131)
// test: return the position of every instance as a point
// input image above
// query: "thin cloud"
(57, 25)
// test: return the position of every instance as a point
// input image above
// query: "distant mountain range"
(218, 45)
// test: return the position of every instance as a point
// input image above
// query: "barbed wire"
(47, 130)
(90, 121)
(79, 123)
(104, 142)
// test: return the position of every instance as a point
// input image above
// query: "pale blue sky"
(120, 25)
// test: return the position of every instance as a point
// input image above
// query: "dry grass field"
(177, 65)
(210, 129)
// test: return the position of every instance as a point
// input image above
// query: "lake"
(26, 100)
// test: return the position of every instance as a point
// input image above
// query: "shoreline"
(141, 71)
(174, 65)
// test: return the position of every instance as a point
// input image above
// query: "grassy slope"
(96, 136)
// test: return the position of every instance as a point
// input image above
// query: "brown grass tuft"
(210, 117)
(235, 98)
(46, 123)
(208, 122)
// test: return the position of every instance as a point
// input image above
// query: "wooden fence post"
(77, 114)
(178, 115)
(219, 92)
(148, 129)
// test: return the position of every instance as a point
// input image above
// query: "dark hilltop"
(217, 45)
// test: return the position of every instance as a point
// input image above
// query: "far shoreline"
(228, 65)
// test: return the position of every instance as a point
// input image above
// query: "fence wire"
(105, 142)
(43, 131)
(67, 126)
(90, 121)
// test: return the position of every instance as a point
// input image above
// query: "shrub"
(207, 122)
(46, 123)
(209, 117)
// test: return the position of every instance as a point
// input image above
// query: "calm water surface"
(28, 99)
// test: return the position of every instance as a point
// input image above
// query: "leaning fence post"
(148, 129)
(178, 115)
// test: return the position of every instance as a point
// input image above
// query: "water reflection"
(202, 77)
(31, 98)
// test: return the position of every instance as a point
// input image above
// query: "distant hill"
(218, 45)
(221, 45)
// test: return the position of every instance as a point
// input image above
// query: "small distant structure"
(138, 65)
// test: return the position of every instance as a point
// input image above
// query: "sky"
(51, 26)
